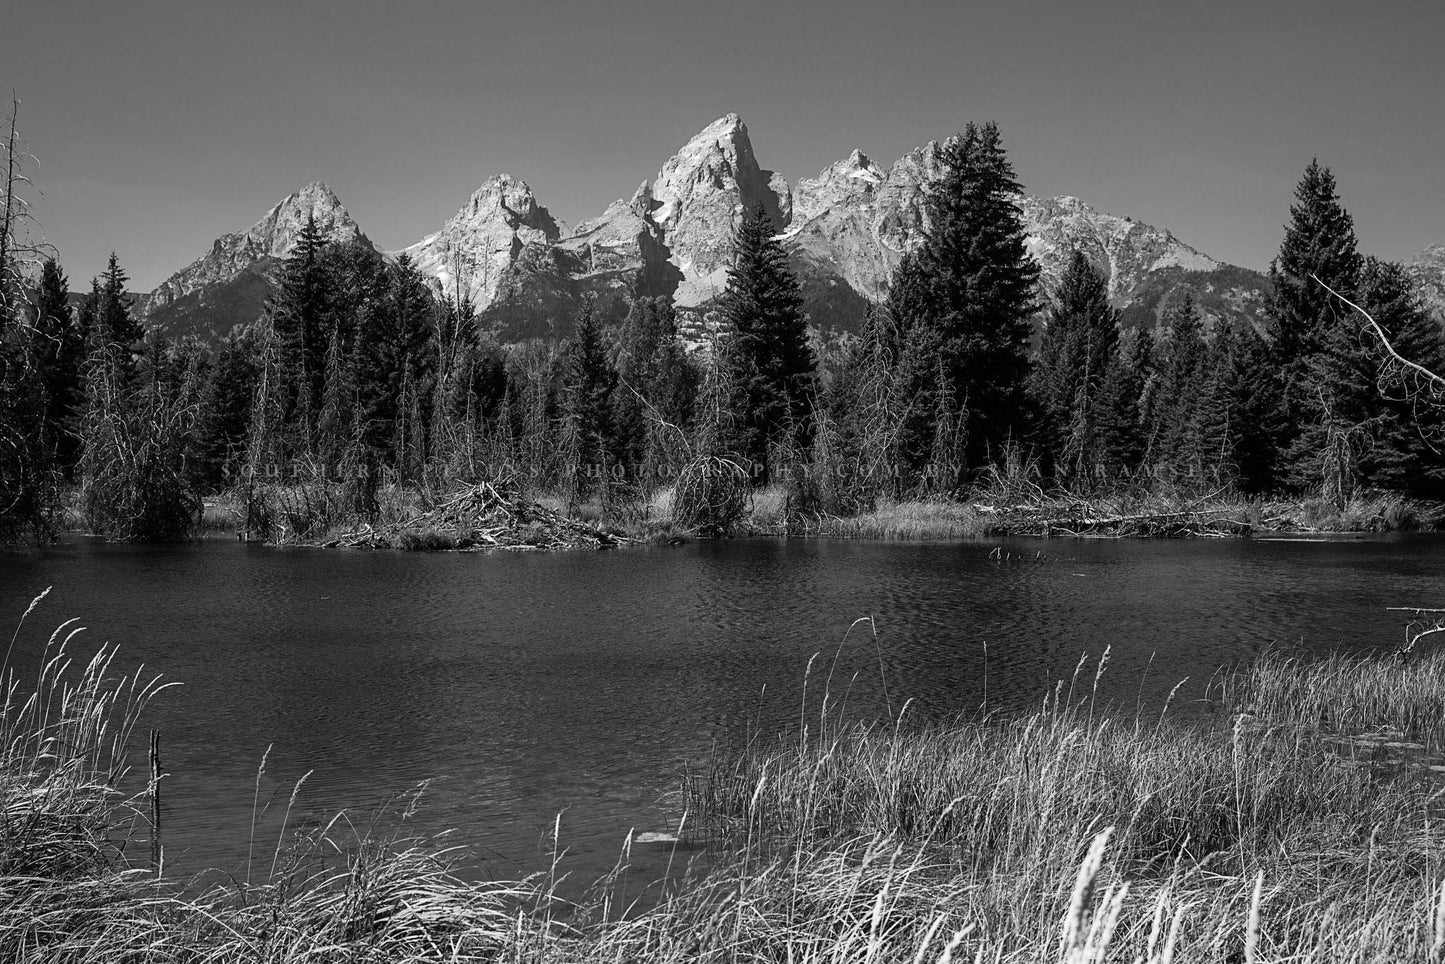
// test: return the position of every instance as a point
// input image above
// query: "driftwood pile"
(478, 519)
(1081, 518)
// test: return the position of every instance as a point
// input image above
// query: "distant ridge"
(846, 228)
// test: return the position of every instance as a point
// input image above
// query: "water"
(581, 684)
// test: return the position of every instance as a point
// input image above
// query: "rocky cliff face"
(500, 225)
(847, 228)
(699, 197)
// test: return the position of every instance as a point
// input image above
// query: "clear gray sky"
(161, 125)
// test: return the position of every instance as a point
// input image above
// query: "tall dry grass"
(77, 882)
(1074, 833)
(913, 520)
(1345, 695)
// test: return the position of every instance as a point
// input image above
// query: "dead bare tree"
(20, 254)
(27, 477)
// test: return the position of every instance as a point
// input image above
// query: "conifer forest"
(365, 386)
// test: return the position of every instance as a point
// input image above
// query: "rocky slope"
(847, 228)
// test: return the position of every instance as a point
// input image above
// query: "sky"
(160, 126)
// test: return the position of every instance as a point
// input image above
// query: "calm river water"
(531, 685)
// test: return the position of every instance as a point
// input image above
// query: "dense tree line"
(362, 376)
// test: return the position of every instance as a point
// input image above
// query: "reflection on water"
(529, 685)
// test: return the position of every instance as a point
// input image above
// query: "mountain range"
(846, 230)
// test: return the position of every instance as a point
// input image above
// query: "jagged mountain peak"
(251, 253)
(728, 123)
(701, 193)
(277, 231)
(317, 189)
(477, 247)
(852, 180)
(511, 198)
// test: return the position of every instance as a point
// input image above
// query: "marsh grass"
(1174, 825)
(221, 515)
(1345, 695)
(1073, 833)
(912, 521)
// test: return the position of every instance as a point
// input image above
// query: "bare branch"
(1436, 382)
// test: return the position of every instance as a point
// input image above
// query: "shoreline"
(480, 519)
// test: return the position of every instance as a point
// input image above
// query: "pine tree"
(1403, 454)
(1183, 378)
(117, 331)
(299, 314)
(1075, 358)
(771, 364)
(334, 426)
(1252, 390)
(973, 284)
(60, 355)
(588, 383)
(916, 395)
(225, 413)
(1319, 241)
(1121, 435)
(395, 358)
(1311, 333)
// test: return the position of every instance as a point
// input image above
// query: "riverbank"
(1137, 516)
(1298, 820)
(483, 516)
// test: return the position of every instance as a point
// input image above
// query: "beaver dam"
(480, 518)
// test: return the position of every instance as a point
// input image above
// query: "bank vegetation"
(1294, 816)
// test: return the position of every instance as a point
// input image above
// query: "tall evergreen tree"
(972, 283)
(60, 355)
(299, 313)
(1252, 390)
(771, 364)
(395, 362)
(1319, 240)
(1121, 433)
(1307, 324)
(1184, 375)
(588, 384)
(1076, 356)
(117, 330)
(1403, 452)
(225, 413)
